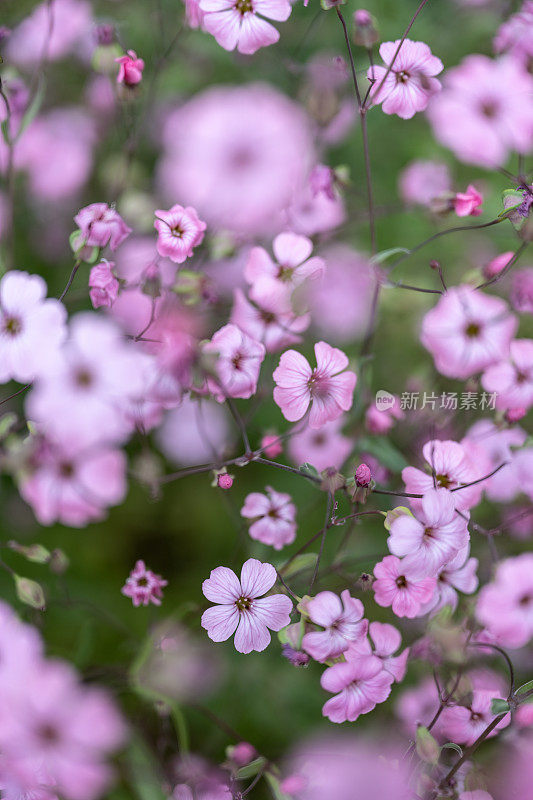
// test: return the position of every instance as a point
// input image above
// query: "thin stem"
(240, 424)
(470, 750)
(72, 275)
(322, 542)
(504, 655)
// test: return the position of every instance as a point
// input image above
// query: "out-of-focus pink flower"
(463, 724)
(271, 445)
(342, 620)
(481, 113)
(468, 204)
(242, 753)
(130, 72)
(32, 327)
(242, 609)
(273, 515)
(193, 14)
(515, 36)
(467, 331)
(505, 605)
(322, 181)
(401, 586)
(358, 687)
(103, 286)
(323, 448)
(144, 586)
(382, 420)
(489, 446)
(101, 225)
(179, 230)
(310, 214)
(522, 291)
(235, 24)
(512, 379)
(458, 574)
(189, 432)
(417, 705)
(497, 264)
(328, 388)
(422, 181)
(477, 794)
(238, 363)
(410, 83)
(386, 640)
(266, 323)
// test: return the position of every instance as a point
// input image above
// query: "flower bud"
(34, 552)
(271, 445)
(514, 414)
(427, 747)
(365, 31)
(30, 592)
(363, 476)
(242, 753)
(225, 481)
(58, 562)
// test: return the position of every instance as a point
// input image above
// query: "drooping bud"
(365, 31)
(30, 592)
(427, 747)
(33, 552)
(58, 561)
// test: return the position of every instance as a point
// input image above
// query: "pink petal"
(274, 611)
(225, 26)
(220, 622)
(330, 359)
(291, 250)
(387, 639)
(252, 634)
(255, 33)
(280, 10)
(324, 609)
(222, 586)
(257, 578)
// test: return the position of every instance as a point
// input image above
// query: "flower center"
(489, 109)
(237, 360)
(83, 378)
(443, 480)
(428, 533)
(177, 231)
(12, 326)
(525, 600)
(66, 469)
(402, 77)
(142, 581)
(318, 384)
(244, 6)
(243, 603)
(401, 582)
(472, 330)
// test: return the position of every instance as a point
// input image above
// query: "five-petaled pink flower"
(327, 388)
(238, 363)
(511, 380)
(343, 624)
(468, 204)
(235, 24)
(410, 83)
(144, 586)
(386, 640)
(103, 286)
(274, 516)
(179, 230)
(242, 608)
(401, 586)
(131, 69)
(505, 605)
(358, 686)
(101, 225)
(463, 724)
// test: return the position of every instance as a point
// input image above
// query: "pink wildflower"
(522, 290)
(463, 724)
(131, 69)
(235, 24)
(363, 475)
(271, 445)
(497, 264)
(505, 606)
(401, 586)
(103, 286)
(468, 204)
(422, 181)
(323, 448)
(381, 420)
(273, 515)
(242, 608)
(322, 181)
(144, 586)
(327, 388)
(179, 230)
(512, 379)
(386, 640)
(358, 687)
(457, 575)
(238, 363)
(343, 624)
(266, 323)
(101, 225)
(224, 481)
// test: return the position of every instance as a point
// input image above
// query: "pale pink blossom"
(422, 181)
(490, 446)
(273, 515)
(193, 14)
(515, 35)
(32, 327)
(235, 24)
(323, 448)
(130, 71)
(382, 420)
(271, 445)
(266, 323)
(476, 794)
(322, 181)
(179, 231)
(468, 203)
(342, 620)
(433, 536)
(417, 705)
(328, 388)
(467, 331)
(358, 687)
(497, 264)
(191, 432)
(103, 286)
(238, 363)
(505, 605)
(382, 642)
(522, 290)
(463, 724)
(101, 225)
(242, 609)
(410, 83)
(144, 586)
(401, 586)
(309, 214)
(512, 379)
(457, 575)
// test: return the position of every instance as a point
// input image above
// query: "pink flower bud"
(363, 476)
(365, 28)
(131, 69)
(515, 414)
(362, 17)
(103, 286)
(243, 753)
(498, 263)
(224, 481)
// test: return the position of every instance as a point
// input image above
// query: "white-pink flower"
(144, 586)
(179, 230)
(242, 609)
(266, 323)
(401, 586)
(100, 225)
(238, 363)
(463, 724)
(358, 687)
(342, 620)
(235, 24)
(386, 640)
(328, 388)
(512, 379)
(505, 605)
(273, 515)
(458, 575)
(323, 448)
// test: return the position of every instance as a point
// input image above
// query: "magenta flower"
(458, 575)
(101, 225)
(224, 481)
(103, 286)
(468, 204)
(358, 687)
(238, 363)
(505, 606)
(343, 624)
(179, 230)
(327, 388)
(386, 640)
(235, 24)
(512, 379)
(410, 83)
(401, 586)
(463, 724)
(242, 608)
(433, 536)
(273, 515)
(144, 586)
(323, 448)
(131, 69)
(467, 331)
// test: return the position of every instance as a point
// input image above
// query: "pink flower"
(411, 83)
(103, 285)
(266, 322)
(131, 69)
(497, 264)
(489, 446)
(323, 448)
(322, 181)
(458, 574)
(363, 475)
(401, 586)
(32, 327)
(271, 445)
(358, 687)
(343, 624)
(522, 291)
(238, 363)
(386, 640)
(467, 331)
(382, 420)
(235, 24)
(189, 432)
(463, 724)
(101, 225)
(242, 609)
(179, 230)
(433, 536)
(505, 606)
(327, 388)
(482, 113)
(477, 794)
(144, 586)
(468, 204)
(515, 36)
(422, 181)
(512, 379)
(274, 516)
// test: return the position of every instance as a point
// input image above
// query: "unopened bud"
(30, 592)
(365, 29)
(242, 753)
(225, 481)
(427, 747)
(34, 552)
(514, 414)
(363, 475)
(105, 33)
(58, 562)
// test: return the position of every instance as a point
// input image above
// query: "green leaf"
(299, 564)
(273, 783)
(399, 511)
(384, 451)
(308, 469)
(499, 706)
(526, 687)
(251, 769)
(33, 109)
(452, 746)
(144, 778)
(379, 258)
